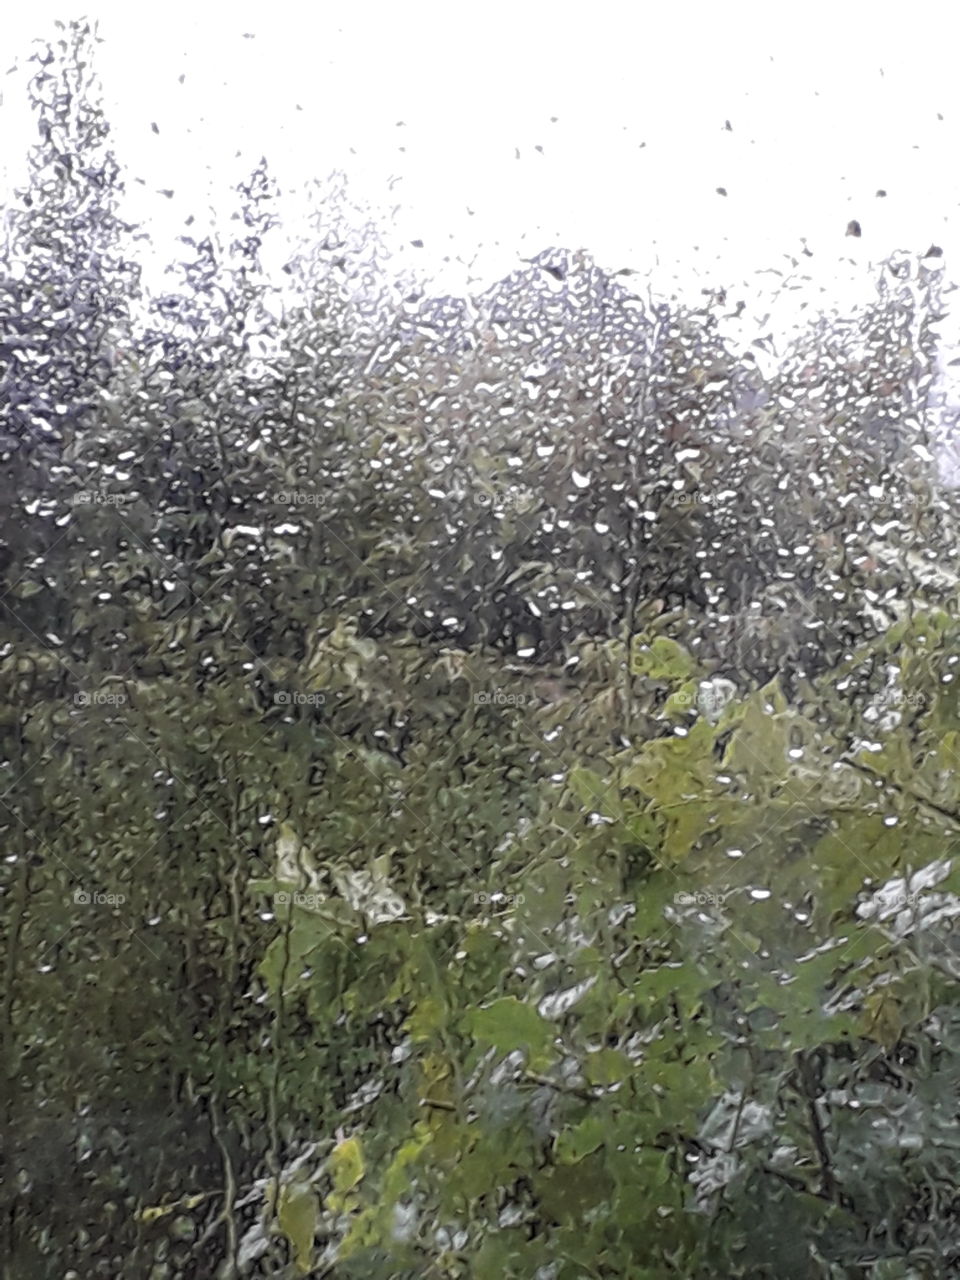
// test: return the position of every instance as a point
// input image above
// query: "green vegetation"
(477, 804)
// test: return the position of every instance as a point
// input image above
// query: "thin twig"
(586, 1095)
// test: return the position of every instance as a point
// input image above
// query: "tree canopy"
(481, 773)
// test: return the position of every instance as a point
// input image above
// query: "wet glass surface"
(478, 654)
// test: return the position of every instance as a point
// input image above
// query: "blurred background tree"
(489, 625)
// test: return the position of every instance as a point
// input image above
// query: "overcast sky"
(529, 124)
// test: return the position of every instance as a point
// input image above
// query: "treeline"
(486, 627)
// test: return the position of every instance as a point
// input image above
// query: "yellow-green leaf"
(298, 1214)
(347, 1170)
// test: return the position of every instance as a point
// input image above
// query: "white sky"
(828, 103)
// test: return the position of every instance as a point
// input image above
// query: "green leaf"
(508, 1025)
(298, 1215)
(595, 794)
(661, 659)
(574, 1144)
(347, 1170)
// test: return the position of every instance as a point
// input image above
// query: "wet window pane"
(479, 640)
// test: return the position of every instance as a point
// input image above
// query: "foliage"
(482, 789)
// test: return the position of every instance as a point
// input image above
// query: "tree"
(482, 798)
